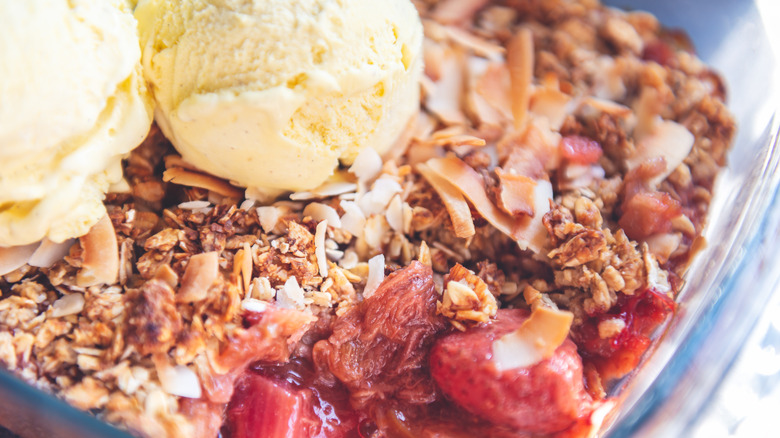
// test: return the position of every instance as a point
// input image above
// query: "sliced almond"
(319, 247)
(534, 341)
(101, 255)
(184, 177)
(201, 272)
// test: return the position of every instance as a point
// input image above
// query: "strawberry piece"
(547, 397)
(580, 150)
(264, 408)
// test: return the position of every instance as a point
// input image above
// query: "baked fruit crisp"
(494, 277)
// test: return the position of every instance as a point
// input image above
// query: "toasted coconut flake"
(178, 175)
(516, 194)
(492, 84)
(319, 247)
(322, 212)
(268, 216)
(174, 160)
(528, 232)
(552, 104)
(474, 43)
(669, 140)
(71, 304)
(607, 106)
(376, 275)
(535, 340)
(201, 272)
(445, 96)
(101, 255)
(14, 257)
(453, 200)
(49, 252)
(520, 59)
(456, 11)
(326, 190)
(367, 164)
(242, 266)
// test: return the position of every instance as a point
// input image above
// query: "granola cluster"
(564, 157)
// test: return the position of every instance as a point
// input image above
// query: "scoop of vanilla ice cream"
(72, 102)
(271, 94)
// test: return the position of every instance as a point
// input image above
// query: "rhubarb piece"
(263, 408)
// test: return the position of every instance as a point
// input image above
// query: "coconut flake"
(322, 212)
(382, 191)
(376, 274)
(194, 205)
(534, 341)
(319, 247)
(367, 164)
(247, 204)
(326, 190)
(395, 214)
(268, 217)
(520, 59)
(68, 305)
(290, 296)
(180, 381)
(254, 305)
(178, 175)
(350, 259)
(667, 139)
(50, 252)
(14, 257)
(101, 255)
(453, 200)
(353, 221)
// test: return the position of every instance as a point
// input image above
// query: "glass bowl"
(726, 286)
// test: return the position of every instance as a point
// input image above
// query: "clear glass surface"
(731, 281)
(726, 287)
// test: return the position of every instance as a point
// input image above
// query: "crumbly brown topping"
(491, 193)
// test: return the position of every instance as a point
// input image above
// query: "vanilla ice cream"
(72, 102)
(272, 94)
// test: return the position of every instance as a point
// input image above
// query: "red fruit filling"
(615, 356)
(580, 150)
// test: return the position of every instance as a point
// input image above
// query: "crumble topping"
(535, 177)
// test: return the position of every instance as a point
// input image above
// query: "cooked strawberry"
(580, 150)
(544, 398)
(264, 408)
